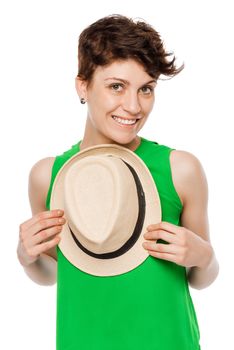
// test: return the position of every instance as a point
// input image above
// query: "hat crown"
(131, 254)
(100, 199)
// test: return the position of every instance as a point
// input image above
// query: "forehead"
(124, 69)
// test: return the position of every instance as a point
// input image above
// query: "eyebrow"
(127, 82)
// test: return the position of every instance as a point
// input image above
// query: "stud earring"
(82, 100)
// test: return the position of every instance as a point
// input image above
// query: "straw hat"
(109, 198)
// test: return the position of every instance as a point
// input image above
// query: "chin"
(126, 143)
(123, 139)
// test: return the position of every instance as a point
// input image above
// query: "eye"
(147, 90)
(116, 87)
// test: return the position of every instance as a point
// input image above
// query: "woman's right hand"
(33, 233)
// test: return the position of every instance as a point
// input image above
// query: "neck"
(92, 138)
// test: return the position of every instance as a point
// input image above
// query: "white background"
(41, 116)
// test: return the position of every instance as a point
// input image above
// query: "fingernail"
(62, 220)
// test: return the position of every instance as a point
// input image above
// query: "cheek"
(104, 102)
(110, 100)
(101, 110)
(148, 106)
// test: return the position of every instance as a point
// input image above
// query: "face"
(119, 99)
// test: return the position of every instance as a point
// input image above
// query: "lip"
(125, 125)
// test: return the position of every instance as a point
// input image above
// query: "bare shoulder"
(39, 181)
(38, 186)
(187, 173)
(185, 162)
(43, 168)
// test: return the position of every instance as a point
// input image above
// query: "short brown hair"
(117, 37)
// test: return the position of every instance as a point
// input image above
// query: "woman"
(120, 62)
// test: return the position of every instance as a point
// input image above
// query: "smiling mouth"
(124, 121)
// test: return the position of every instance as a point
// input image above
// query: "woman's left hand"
(185, 247)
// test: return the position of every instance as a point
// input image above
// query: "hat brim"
(135, 255)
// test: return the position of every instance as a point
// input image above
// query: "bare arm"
(191, 184)
(189, 244)
(37, 238)
(43, 270)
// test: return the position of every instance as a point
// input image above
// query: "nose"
(131, 103)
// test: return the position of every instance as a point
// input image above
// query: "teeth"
(123, 121)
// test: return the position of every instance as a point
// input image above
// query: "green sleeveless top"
(149, 307)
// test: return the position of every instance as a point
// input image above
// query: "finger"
(47, 223)
(167, 226)
(163, 256)
(41, 248)
(161, 234)
(41, 216)
(44, 235)
(162, 248)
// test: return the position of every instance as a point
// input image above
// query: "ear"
(81, 88)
